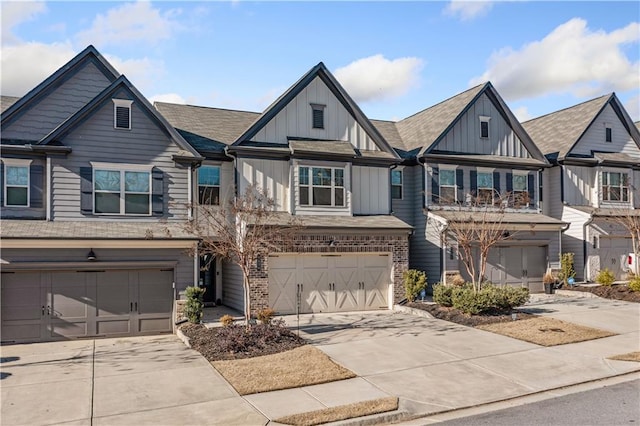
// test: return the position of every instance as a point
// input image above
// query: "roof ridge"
(206, 107)
(442, 102)
(608, 95)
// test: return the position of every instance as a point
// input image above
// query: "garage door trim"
(86, 266)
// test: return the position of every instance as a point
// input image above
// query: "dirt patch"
(239, 342)
(454, 315)
(302, 366)
(546, 331)
(631, 356)
(616, 292)
(342, 412)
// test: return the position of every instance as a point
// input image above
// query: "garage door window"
(125, 192)
(321, 186)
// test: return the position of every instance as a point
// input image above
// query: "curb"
(412, 311)
(183, 337)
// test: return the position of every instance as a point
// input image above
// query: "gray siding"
(97, 140)
(370, 190)
(573, 238)
(269, 175)
(579, 184)
(594, 138)
(411, 185)
(552, 200)
(184, 271)
(232, 288)
(65, 100)
(27, 212)
(464, 137)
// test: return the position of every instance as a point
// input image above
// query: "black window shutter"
(532, 190)
(496, 183)
(460, 184)
(435, 185)
(540, 186)
(473, 175)
(509, 182)
(86, 190)
(36, 185)
(157, 192)
(2, 184)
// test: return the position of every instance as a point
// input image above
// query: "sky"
(394, 58)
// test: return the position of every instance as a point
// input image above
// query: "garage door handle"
(131, 307)
(136, 306)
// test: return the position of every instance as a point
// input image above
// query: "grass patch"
(631, 356)
(301, 366)
(546, 331)
(342, 412)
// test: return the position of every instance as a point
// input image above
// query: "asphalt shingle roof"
(332, 221)
(7, 101)
(559, 131)
(505, 218)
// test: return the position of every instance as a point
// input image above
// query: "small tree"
(244, 229)
(478, 227)
(629, 219)
(566, 268)
(194, 306)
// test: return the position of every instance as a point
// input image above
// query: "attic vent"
(122, 113)
(607, 135)
(318, 116)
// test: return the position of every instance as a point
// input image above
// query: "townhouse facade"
(99, 187)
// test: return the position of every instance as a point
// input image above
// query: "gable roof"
(7, 101)
(423, 130)
(90, 53)
(338, 91)
(121, 83)
(557, 133)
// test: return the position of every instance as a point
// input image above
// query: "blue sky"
(394, 58)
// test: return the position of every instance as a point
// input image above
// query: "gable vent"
(318, 116)
(122, 114)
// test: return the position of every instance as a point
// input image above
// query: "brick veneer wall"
(397, 245)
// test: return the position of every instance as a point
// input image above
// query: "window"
(520, 190)
(396, 184)
(484, 126)
(321, 186)
(485, 187)
(317, 116)
(122, 114)
(607, 134)
(122, 191)
(447, 186)
(615, 186)
(16, 187)
(209, 185)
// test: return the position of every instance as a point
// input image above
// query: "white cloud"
(141, 72)
(14, 13)
(18, 73)
(378, 78)
(468, 10)
(131, 22)
(571, 59)
(522, 114)
(633, 107)
(172, 98)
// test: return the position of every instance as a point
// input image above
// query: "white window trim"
(401, 170)
(17, 162)
(485, 119)
(455, 181)
(333, 186)
(601, 199)
(219, 166)
(122, 168)
(122, 103)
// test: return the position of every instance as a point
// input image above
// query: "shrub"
(414, 281)
(442, 294)
(265, 315)
(194, 306)
(566, 268)
(226, 320)
(489, 299)
(634, 283)
(457, 280)
(605, 277)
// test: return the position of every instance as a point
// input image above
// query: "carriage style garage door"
(613, 254)
(329, 283)
(52, 305)
(517, 266)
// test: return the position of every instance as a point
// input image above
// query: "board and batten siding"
(573, 238)
(464, 136)
(594, 138)
(552, 200)
(411, 185)
(295, 120)
(232, 288)
(370, 190)
(59, 105)
(97, 140)
(580, 185)
(183, 275)
(269, 175)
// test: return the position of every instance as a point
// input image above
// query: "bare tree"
(242, 230)
(629, 219)
(478, 226)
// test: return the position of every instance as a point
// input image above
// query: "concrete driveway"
(139, 380)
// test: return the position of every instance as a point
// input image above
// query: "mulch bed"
(238, 341)
(454, 315)
(616, 292)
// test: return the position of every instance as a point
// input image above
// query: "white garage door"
(74, 304)
(613, 253)
(329, 283)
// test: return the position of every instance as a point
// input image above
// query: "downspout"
(49, 192)
(443, 250)
(196, 268)
(584, 248)
(393, 166)
(190, 193)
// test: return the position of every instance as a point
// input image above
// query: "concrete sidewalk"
(435, 366)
